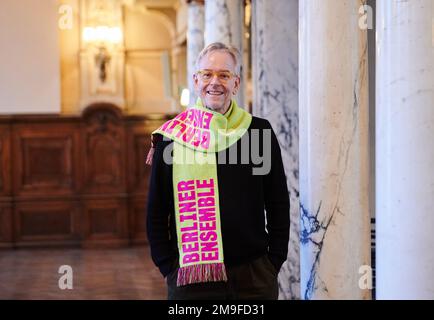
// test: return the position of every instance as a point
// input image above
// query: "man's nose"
(215, 79)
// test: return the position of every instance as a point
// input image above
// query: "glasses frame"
(215, 73)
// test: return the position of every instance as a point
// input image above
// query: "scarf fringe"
(151, 152)
(198, 273)
(150, 156)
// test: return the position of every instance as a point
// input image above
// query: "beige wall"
(40, 65)
(148, 42)
(182, 19)
(69, 61)
(29, 57)
(146, 29)
(180, 50)
(180, 72)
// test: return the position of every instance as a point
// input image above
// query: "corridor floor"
(126, 273)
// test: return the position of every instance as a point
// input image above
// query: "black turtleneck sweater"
(247, 231)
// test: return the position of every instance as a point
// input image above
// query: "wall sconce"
(102, 37)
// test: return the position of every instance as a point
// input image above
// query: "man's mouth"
(214, 92)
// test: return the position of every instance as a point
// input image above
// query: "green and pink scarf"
(198, 134)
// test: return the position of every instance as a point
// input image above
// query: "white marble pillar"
(405, 150)
(275, 98)
(195, 41)
(224, 22)
(334, 157)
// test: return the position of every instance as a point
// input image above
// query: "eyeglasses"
(223, 76)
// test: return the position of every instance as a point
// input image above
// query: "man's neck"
(222, 111)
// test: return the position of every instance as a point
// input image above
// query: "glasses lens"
(207, 75)
(224, 75)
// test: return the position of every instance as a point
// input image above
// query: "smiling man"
(217, 229)
(217, 79)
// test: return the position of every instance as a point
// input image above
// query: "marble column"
(195, 41)
(405, 150)
(334, 157)
(275, 98)
(224, 22)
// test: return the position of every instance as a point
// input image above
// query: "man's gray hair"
(218, 46)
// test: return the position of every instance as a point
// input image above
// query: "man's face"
(215, 82)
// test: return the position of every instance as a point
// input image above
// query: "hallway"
(347, 87)
(126, 273)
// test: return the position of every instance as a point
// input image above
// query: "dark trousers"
(256, 280)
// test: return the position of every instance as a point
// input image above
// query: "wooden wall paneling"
(6, 228)
(75, 180)
(47, 223)
(138, 144)
(137, 220)
(105, 223)
(45, 160)
(5, 161)
(103, 146)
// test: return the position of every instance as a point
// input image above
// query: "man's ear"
(237, 83)
(195, 82)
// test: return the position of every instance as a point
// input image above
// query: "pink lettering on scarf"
(192, 126)
(198, 224)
